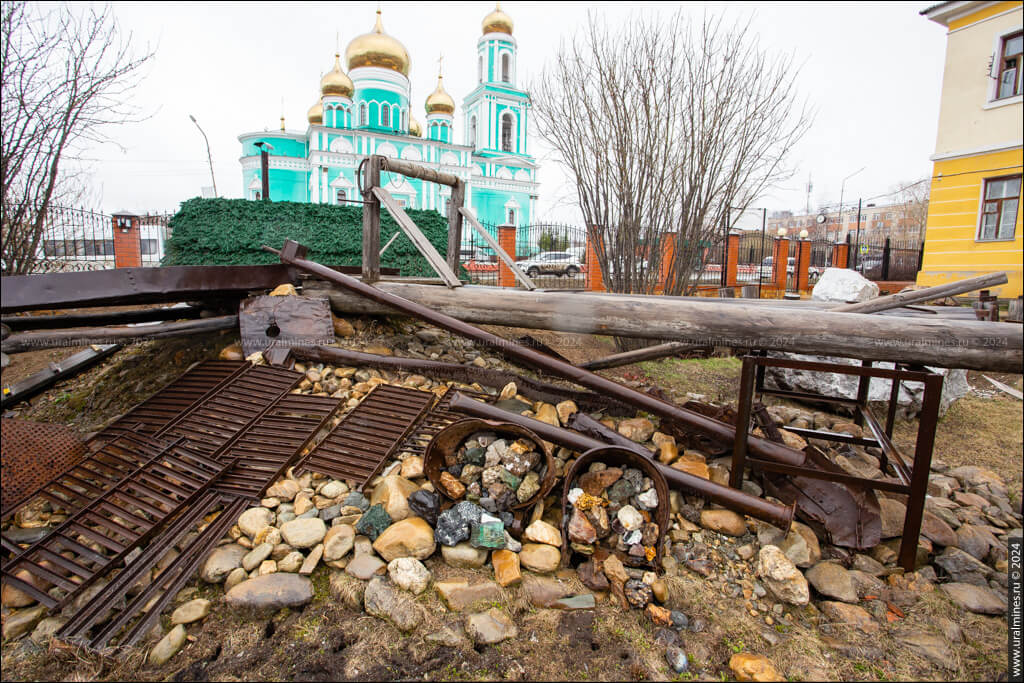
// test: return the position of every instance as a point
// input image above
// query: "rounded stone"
(540, 557)
(253, 520)
(191, 611)
(464, 556)
(271, 592)
(303, 533)
(221, 561)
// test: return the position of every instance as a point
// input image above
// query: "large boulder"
(411, 537)
(954, 387)
(842, 285)
(271, 592)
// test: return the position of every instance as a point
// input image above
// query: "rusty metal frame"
(910, 478)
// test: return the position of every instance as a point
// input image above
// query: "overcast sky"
(872, 71)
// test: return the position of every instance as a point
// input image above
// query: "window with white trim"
(1000, 202)
(506, 133)
(340, 195)
(472, 131)
(511, 216)
(480, 69)
(362, 114)
(506, 68)
(1011, 50)
(385, 116)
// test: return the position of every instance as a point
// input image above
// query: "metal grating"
(151, 415)
(439, 417)
(138, 614)
(368, 435)
(266, 449)
(100, 535)
(33, 453)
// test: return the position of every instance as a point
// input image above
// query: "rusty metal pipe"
(775, 514)
(294, 253)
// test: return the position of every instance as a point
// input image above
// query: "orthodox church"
(368, 111)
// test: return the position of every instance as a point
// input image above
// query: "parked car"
(551, 263)
(868, 264)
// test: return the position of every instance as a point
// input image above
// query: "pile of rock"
(487, 469)
(613, 507)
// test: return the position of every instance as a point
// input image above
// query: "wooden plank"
(408, 168)
(922, 295)
(649, 353)
(390, 242)
(418, 239)
(1005, 388)
(493, 244)
(455, 203)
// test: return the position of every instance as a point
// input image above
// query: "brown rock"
(540, 557)
(452, 487)
(667, 452)
(342, 327)
(850, 615)
(659, 615)
(637, 429)
(592, 577)
(231, 352)
(542, 591)
(598, 518)
(506, 567)
(970, 499)
(542, 532)
(411, 537)
(723, 521)
(615, 570)
(11, 596)
(751, 667)
(595, 483)
(547, 413)
(693, 463)
(937, 531)
(459, 594)
(393, 493)
(412, 467)
(580, 529)
(892, 512)
(565, 409)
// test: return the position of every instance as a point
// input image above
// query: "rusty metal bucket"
(616, 456)
(449, 439)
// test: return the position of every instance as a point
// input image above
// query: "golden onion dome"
(315, 115)
(439, 101)
(497, 21)
(336, 81)
(377, 48)
(414, 128)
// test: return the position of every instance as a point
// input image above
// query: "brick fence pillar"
(507, 241)
(732, 260)
(803, 265)
(840, 255)
(127, 240)
(595, 280)
(780, 260)
(668, 254)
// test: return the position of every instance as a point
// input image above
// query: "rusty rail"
(294, 254)
(773, 513)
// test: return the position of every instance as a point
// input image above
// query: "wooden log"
(455, 202)
(371, 222)
(920, 296)
(412, 170)
(929, 341)
(34, 341)
(649, 353)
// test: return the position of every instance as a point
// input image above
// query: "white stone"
(574, 495)
(841, 285)
(303, 533)
(410, 574)
(649, 498)
(630, 518)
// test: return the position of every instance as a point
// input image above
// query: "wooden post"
(780, 263)
(803, 265)
(371, 221)
(127, 241)
(732, 260)
(507, 241)
(455, 203)
(840, 255)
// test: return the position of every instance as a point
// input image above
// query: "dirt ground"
(328, 641)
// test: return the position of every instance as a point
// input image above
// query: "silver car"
(551, 263)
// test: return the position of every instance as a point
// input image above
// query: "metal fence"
(76, 239)
(884, 258)
(552, 254)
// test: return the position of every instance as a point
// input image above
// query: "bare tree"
(666, 126)
(66, 78)
(911, 204)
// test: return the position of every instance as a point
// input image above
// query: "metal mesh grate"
(33, 453)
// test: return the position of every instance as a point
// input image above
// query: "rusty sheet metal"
(179, 550)
(143, 285)
(284, 321)
(100, 535)
(273, 442)
(369, 434)
(34, 453)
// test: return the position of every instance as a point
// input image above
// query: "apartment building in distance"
(974, 216)
(903, 221)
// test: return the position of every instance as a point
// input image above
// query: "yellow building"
(974, 216)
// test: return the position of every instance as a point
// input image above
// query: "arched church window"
(385, 116)
(472, 131)
(480, 68)
(362, 114)
(506, 68)
(511, 216)
(405, 119)
(506, 133)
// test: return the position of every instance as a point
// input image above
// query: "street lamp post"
(209, 158)
(842, 187)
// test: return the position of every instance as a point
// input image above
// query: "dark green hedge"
(231, 232)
